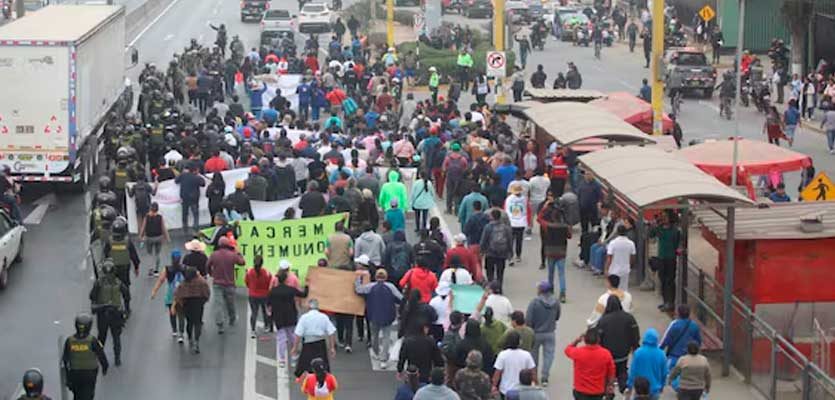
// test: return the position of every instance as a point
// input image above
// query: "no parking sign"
(496, 64)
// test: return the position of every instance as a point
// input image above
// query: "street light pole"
(390, 22)
(657, 73)
(498, 44)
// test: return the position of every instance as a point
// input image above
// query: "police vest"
(119, 252)
(81, 355)
(110, 293)
(157, 136)
(121, 178)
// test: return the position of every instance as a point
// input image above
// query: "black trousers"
(256, 304)
(518, 237)
(82, 383)
(690, 394)
(588, 219)
(194, 320)
(584, 396)
(667, 276)
(345, 328)
(621, 374)
(495, 268)
(111, 320)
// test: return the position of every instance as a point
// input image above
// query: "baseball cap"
(284, 265)
(545, 286)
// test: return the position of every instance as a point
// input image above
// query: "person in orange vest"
(559, 172)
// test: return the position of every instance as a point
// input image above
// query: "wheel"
(708, 93)
(19, 257)
(4, 277)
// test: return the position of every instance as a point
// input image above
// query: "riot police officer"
(121, 251)
(110, 300)
(120, 176)
(83, 354)
(33, 386)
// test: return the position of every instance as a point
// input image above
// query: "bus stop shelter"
(561, 95)
(645, 180)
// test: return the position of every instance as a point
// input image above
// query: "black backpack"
(142, 196)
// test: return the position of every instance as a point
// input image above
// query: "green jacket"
(493, 334)
(393, 189)
(434, 80)
(465, 60)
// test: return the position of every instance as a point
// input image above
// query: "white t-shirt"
(621, 249)
(462, 276)
(539, 188)
(600, 307)
(441, 306)
(477, 117)
(501, 308)
(511, 362)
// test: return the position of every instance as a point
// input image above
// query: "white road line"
(36, 216)
(250, 358)
(168, 37)
(153, 22)
(216, 9)
(709, 105)
(283, 382)
(200, 38)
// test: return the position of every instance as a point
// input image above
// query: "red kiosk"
(785, 259)
(632, 110)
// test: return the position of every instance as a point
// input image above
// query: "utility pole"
(20, 8)
(498, 44)
(389, 22)
(657, 67)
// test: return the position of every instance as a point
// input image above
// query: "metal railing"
(769, 362)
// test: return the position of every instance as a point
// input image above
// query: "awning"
(754, 156)
(633, 110)
(571, 122)
(555, 95)
(777, 221)
(646, 176)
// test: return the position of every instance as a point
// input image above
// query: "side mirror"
(134, 57)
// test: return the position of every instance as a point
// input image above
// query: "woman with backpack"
(154, 233)
(189, 299)
(422, 199)
(258, 283)
(173, 276)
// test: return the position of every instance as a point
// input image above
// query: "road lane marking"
(709, 105)
(36, 216)
(152, 23)
(250, 358)
(168, 37)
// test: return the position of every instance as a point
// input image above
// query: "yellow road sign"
(819, 189)
(707, 13)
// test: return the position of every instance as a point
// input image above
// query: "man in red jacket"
(594, 367)
(221, 267)
(215, 163)
(422, 279)
(466, 255)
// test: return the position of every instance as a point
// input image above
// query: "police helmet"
(156, 93)
(120, 226)
(131, 152)
(104, 183)
(122, 153)
(108, 213)
(108, 198)
(107, 266)
(169, 96)
(83, 324)
(33, 382)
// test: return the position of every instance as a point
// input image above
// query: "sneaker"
(220, 329)
(340, 343)
(252, 335)
(282, 364)
(348, 349)
(118, 361)
(180, 338)
(152, 273)
(544, 382)
(174, 335)
(383, 365)
(518, 259)
(832, 151)
(197, 348)
(541, 266)
(511, 261)
(562, 298)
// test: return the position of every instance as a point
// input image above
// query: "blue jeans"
(11, 201)
(547, 341)
(597, 256)
(830, 139)
(559, 264)
(195, 213)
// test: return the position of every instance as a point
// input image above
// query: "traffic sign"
(819, 189)
(496, 64)
(707, 13)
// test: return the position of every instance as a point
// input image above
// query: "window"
(691, 59)
(278, 14)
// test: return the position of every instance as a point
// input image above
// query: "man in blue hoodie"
(381, 299)
(650, 362)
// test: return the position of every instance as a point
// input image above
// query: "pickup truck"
(687, 69)
(253, 9)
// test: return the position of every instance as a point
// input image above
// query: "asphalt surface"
(52, 283)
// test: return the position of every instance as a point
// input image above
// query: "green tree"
(798, 15)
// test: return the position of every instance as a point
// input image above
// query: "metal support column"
(641, 237)
(681, 281)
(727, 306)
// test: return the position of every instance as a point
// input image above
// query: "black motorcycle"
(761, 95)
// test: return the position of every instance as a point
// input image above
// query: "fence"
(768, 361)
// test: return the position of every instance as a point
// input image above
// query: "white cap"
(363, 259)
(443, 288)
(460, 238)
(284, 265)
(432, 69)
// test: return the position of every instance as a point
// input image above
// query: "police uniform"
(82, 357)
(121, 177)
(111, 300)
(122, 251)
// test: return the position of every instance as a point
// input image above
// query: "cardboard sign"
(335, 291)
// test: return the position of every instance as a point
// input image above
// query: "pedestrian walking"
(190, 183)
(419, 349)
(620, 335)
(154, 233)
(382, 298)
(694, 371)
(495, 245)
(518, 210)
(509, 363)
(81, 358)
(620, 254)
(314, 338)
(190, 297)
(282, 306)
(594, 368)
(680, 332)
(649, 362)
(221, 267)
(554, 233)
(669, 237)
(436, 389)
(257, 281)
(320, 384)
(471, 382)
(542, 316)
(110, 302)
(422, 199)
(173, 277)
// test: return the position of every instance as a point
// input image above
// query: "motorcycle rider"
(110, 299)
(33, 386)
(121, 251)
(81, 358)
(727, 92)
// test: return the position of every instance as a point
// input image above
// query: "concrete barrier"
(137, 19)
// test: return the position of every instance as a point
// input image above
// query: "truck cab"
(688, 69)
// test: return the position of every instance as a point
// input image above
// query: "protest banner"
(300, 241)
(465, 298)
(334, 289)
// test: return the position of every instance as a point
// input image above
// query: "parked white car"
(278, 20)
(11, 246)
(315, 17)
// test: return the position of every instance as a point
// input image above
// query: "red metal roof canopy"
(633, 110)
(754, 157)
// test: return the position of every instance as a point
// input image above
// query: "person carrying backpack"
(154, 233)
(495, 245)
(398, 257)
(141, 192)
(173, 276)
